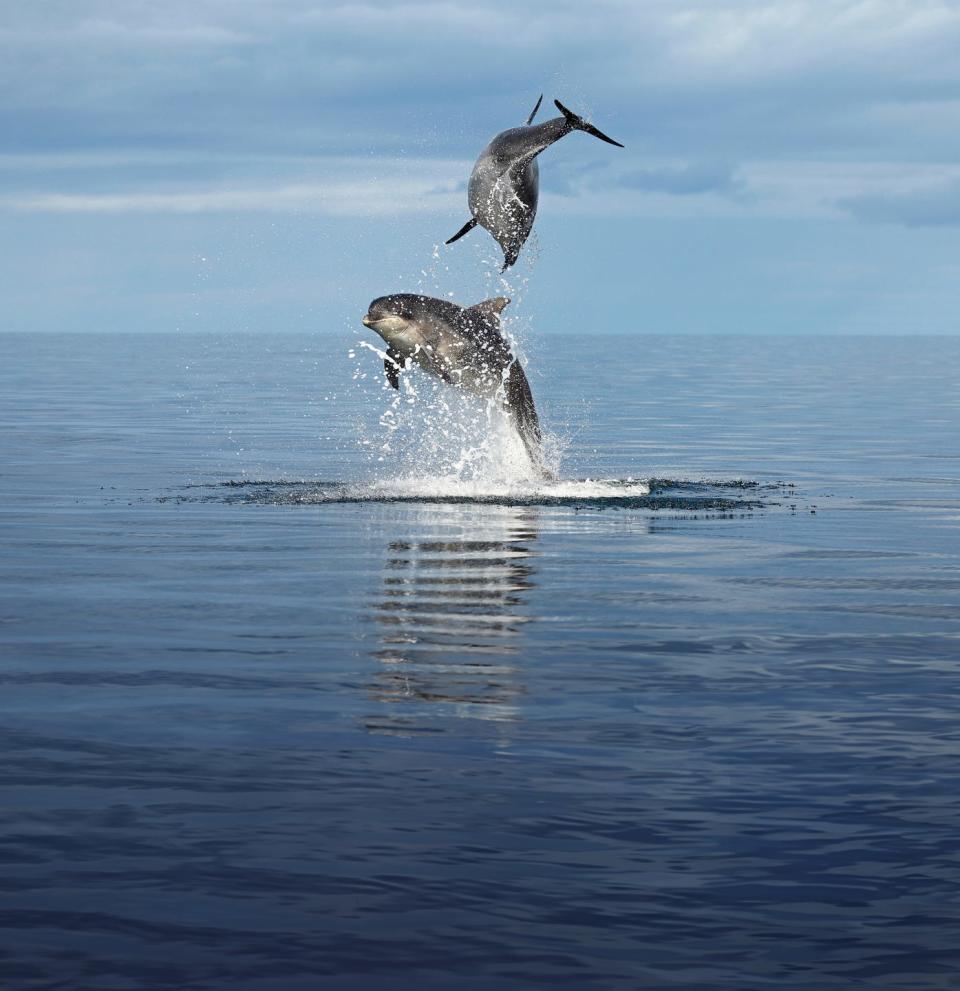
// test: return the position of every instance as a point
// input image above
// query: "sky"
(272, 165)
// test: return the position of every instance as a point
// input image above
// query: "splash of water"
(430, 437)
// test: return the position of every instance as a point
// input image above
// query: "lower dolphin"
(462, 346)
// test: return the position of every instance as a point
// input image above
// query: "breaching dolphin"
(505, 182)
(462, 346)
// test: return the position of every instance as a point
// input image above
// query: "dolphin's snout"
(387, 325)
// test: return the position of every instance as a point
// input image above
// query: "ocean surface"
(305, 684)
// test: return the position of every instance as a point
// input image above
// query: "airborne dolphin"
(462, 346)
(505, 182)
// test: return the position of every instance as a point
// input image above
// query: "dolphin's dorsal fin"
(489, 307)
(533, 113)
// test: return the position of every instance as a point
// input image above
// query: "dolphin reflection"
(452, 612)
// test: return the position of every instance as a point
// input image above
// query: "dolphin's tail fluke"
(519, 403)
(467, 227)
(579, 124)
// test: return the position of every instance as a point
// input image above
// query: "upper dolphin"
(505, 182)
(462, 346)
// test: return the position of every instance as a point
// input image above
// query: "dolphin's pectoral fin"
(533, 113)
(577, 123)
(467, 227)
(392, 365)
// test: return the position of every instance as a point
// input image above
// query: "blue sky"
(272, 165)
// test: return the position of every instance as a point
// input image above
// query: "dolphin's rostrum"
(505, 182)
(462, 346)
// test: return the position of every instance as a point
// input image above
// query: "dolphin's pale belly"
(495, 200)
(504, 200)
(406, 339)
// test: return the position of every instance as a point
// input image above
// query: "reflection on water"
(451, 617)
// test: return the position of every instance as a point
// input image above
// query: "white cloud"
(390, 186)
(351, 188)
(343, 199)
(775, 88)
(817, 188)
(751, 39)
(934, 206)
(798, 190)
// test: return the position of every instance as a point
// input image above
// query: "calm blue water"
(257, 738)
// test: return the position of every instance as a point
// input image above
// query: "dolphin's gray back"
(491, 351)
(523, 412)
(522, 144)
(494, 368)
(483, 351)
(440, 309)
